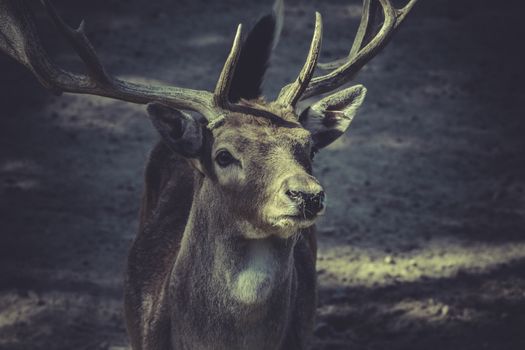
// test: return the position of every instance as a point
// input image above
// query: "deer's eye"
(224, 158)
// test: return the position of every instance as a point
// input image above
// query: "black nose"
(309, 203)
(307, 194)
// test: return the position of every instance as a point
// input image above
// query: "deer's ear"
(330, 117)
(179, 131)
(255, 55)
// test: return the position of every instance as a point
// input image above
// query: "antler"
(362, 51)
(19, 39)
(291, 93)
(225, 79)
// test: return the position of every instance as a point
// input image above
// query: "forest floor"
(423, 243)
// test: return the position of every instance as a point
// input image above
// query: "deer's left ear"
(179, 131)
(330, 117)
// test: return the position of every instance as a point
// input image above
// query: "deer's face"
(262, 172)
(257, 170)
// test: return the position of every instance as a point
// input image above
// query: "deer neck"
(245, 283)
(246, 270)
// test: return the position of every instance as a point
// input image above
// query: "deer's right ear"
(330, 117)
(179, 131)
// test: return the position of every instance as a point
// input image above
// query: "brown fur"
(155, 248)
(224, 258)
(173, 194)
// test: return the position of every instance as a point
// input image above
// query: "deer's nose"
(306, 193)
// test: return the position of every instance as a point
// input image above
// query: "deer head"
(254, 157)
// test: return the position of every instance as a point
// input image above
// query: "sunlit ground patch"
(346, 265)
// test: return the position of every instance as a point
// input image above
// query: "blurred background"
(423, 244)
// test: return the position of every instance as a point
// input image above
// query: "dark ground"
(423, 246)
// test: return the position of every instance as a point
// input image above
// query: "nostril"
(310, 204)
(314, 203)
(294, 195)
(321, 198)
(305, 195)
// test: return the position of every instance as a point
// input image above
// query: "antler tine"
(402, 13)
(80, 43)
(346, 69)
(19, 39)
(291, 93)
(364, 31)
(222, 88)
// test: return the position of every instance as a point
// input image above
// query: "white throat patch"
(256, 280)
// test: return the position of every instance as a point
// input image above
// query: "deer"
(225, 255)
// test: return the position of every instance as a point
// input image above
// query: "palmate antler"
(19, 39)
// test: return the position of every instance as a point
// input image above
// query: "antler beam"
(19, 39)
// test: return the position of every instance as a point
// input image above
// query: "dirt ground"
(423, 244)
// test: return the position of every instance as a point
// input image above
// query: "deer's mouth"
(298, 221)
